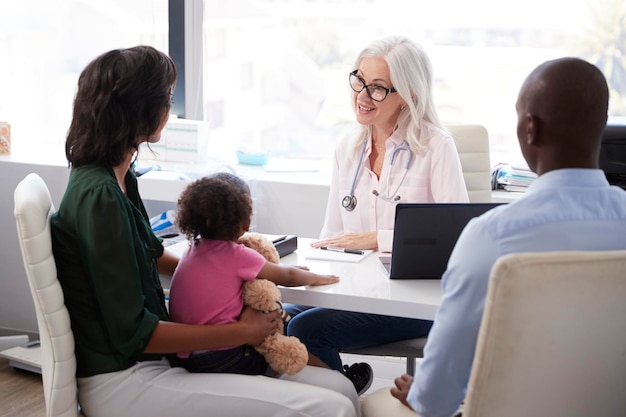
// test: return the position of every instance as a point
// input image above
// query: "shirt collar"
(395, 139)
(579, 177)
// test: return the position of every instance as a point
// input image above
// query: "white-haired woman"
(399, 154)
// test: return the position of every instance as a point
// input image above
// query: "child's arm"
(291, 276)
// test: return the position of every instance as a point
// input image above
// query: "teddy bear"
(285, 354)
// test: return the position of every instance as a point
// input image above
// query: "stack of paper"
(515, 177)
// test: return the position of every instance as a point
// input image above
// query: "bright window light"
(275, 71)
(275, 75)
(44, 45)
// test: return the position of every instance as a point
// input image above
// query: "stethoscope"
(349, 201)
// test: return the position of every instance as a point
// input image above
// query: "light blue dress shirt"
(568, 209)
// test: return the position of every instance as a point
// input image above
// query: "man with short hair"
(561, 115)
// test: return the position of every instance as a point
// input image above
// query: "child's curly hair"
(214, 207)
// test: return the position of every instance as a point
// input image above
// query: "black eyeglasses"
(376, 92)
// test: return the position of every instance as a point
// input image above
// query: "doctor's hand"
(367, 240)
(401, 391)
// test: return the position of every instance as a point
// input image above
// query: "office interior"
(286, 202)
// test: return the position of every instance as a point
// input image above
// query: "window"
(44, 45)
(294, 100)
(274, 72)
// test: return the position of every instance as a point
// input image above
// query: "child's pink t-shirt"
(207, 285)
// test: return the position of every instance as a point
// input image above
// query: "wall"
(281, 208)
(17, 311)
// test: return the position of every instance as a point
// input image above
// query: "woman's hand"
(401, 391)
(367, 240)
(258, 325)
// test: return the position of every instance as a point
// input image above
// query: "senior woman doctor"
(400, 154)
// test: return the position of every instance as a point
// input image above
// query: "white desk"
(364, 287)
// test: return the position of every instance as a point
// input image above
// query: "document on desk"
(320, 254)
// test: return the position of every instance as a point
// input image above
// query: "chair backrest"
(472, 143)
(33, 208)
(552, 340)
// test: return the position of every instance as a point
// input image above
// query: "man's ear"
(533, 129)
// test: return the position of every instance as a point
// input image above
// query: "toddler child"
(213, 212)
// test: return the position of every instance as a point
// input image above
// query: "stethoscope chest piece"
(349, 202)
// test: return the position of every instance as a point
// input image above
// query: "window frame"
(185, 48)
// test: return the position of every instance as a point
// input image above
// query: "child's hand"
(324, 279)
(302, 267)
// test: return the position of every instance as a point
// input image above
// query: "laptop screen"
(424, 236)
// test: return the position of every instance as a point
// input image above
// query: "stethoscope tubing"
(349, 201)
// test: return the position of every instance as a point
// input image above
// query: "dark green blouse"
(106, 257)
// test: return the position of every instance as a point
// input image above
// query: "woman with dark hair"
(108, 262)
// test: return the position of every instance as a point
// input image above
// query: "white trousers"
(155, 389)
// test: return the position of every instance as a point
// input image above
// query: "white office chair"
(472, 142)
(33, 208)
(552, 340)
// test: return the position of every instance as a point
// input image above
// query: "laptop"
(424, 236)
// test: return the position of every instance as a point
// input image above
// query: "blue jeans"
(325, 332)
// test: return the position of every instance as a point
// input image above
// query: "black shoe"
(361, 375)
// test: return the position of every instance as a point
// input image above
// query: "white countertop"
(364, 287)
